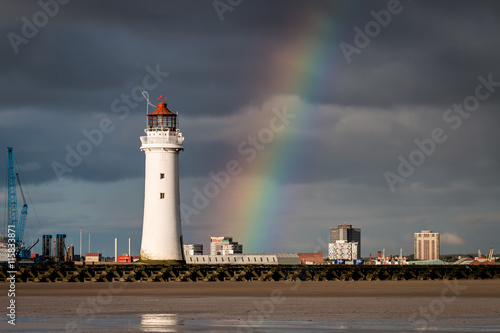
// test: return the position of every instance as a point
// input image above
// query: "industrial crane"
(15, 220)
(490, 255)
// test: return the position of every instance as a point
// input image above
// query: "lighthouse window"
(162, 175)
(152, 121)
(162, 195)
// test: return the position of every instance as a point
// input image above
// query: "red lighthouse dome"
(162, 118)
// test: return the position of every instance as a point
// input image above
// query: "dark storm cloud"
(91, 53)
(428, 54)
(425, 54)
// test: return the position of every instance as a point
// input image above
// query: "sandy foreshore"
(276, 300)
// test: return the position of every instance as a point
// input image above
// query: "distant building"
(342, 249)
(345, 232)
(46, 246)
(4, 253)
(244, 259)
(428, 262)
(400, 260)
(60, 247)
(124, 259)
(387, 259)
(224, 246)
(288, 258)
(93, 257)
(193, 249)
(383, 259)
(370, 261)
(311, 258)
(71, 253)
(426, 245)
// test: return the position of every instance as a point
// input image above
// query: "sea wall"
(191, 273)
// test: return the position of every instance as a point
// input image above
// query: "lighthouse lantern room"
(162, 119)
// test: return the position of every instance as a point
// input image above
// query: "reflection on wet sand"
(158, 322)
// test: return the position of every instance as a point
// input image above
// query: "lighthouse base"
(162, 262)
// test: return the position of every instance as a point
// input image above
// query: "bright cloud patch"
(451, 239)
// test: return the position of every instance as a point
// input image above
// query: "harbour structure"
(345, 232)
(127, 272)
(161, 233)
(16, 221)
(426, 245)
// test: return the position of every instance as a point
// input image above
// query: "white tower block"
(161, 233)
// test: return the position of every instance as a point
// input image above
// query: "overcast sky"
(361, 82)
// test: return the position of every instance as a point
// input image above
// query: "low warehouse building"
(244, 259)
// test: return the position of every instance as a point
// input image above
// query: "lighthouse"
(161, 231)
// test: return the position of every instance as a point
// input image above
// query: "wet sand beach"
(405, 301)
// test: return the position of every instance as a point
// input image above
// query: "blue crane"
(19, 222)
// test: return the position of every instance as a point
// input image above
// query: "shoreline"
(426, 288)
(280, 300)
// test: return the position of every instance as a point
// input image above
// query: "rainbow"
(256, 209)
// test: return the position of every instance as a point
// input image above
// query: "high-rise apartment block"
(345, 232)
(426, 245)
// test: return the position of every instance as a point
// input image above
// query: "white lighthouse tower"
(161, 231)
